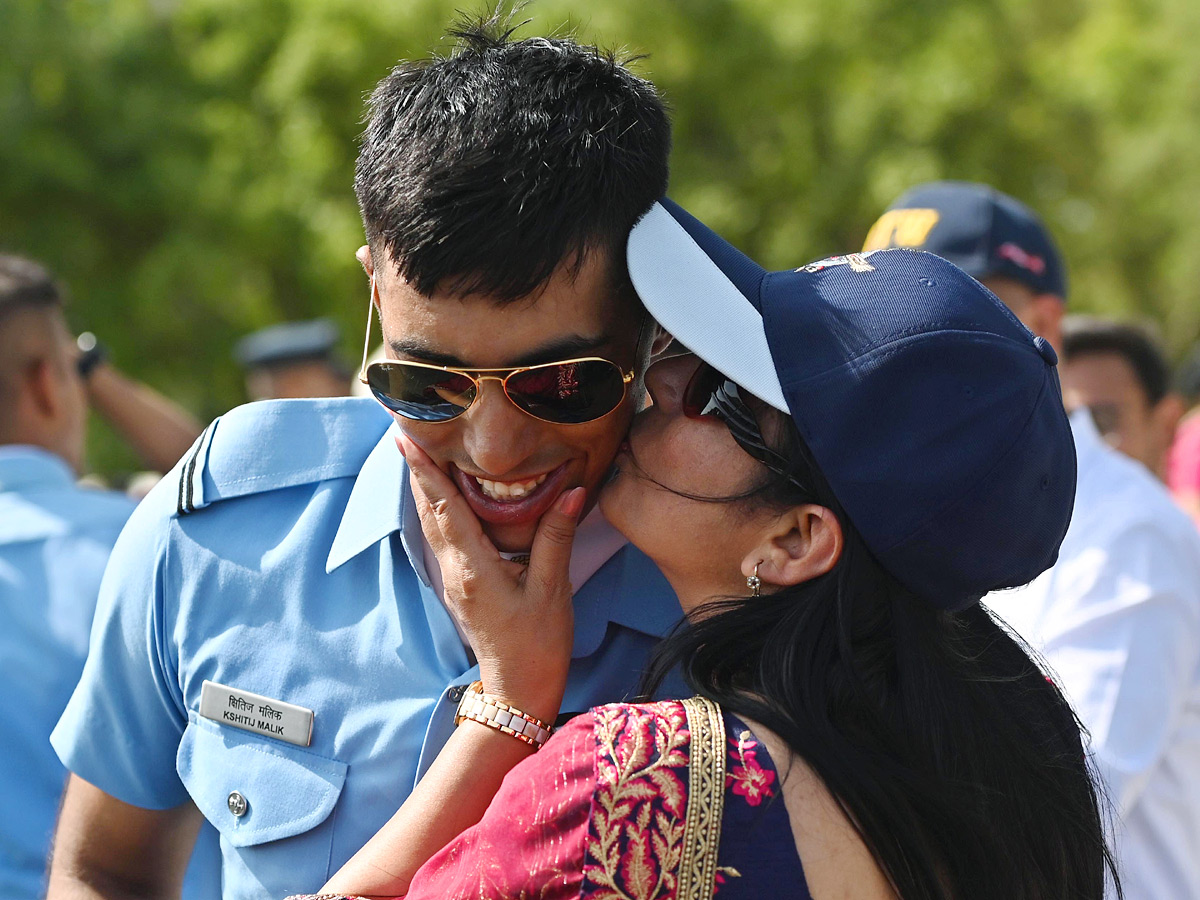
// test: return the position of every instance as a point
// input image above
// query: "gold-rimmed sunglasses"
(567, 392)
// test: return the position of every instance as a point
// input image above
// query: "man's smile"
(509, 490)
(511, 502)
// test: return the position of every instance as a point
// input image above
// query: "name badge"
(254, 712)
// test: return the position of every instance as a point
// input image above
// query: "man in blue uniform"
(54, 541)
(271, 650)
(55, 538)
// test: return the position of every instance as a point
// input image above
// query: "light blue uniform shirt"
(55, 538)
(283, 557)
(54, 541)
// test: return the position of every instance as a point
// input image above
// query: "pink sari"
(629, 802)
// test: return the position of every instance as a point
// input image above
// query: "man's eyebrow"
(568, 347)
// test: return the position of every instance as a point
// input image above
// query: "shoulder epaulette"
(275, 444)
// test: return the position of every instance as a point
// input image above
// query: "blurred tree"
(186, 165)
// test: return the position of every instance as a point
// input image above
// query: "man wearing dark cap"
(293, 359)
(991, 237)
(1118, 616)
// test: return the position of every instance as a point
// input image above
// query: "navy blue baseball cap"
(979, 229)
(935, 416)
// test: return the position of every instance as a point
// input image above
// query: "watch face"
(91, 354)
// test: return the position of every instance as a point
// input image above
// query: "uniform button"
(455, 693)
(237, 804)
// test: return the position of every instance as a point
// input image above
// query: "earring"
(754, 582)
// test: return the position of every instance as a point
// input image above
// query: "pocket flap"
(284, 790)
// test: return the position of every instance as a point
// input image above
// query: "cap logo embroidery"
(902, 228)
(856, 261)
(1028, 261)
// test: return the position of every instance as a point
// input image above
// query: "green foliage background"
(185, 165)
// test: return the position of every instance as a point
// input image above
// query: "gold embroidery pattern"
(656, 812)
(635, 837)
(706, 800)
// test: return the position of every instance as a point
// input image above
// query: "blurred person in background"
(1183, 459)
(55, 538)
(1117, 618)
(271, 651)
(293, 359)
(1119, 373)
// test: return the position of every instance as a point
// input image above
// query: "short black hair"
(1083, 335)
(25, 284)
(482, 170)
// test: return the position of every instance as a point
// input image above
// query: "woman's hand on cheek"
(518, 619)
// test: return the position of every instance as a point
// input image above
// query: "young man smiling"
(271, 650)
(510, 465)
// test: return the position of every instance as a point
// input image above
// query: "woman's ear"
(804, 543)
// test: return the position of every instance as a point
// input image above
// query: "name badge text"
(254, 712)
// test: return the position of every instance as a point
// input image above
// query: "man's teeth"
(511, 490)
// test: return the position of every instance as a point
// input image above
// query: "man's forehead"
(593, 267)
(569, 317)
(480, 336)
(1013, 293)
(1103, 370)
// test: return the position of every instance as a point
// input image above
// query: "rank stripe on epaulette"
(186, 484)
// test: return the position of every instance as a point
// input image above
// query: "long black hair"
(957, 760)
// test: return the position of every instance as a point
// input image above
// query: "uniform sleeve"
(530, 842)
(122, 727)
(1125, 642)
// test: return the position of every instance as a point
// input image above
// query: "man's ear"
(804, 543)
(42, 388)
(662, 340)
(363, 255)
(1165, 416)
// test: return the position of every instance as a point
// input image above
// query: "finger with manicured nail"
(550, 556)
(455, 522)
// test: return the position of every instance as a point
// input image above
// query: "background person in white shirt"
(1118, 616)
(1119, 372)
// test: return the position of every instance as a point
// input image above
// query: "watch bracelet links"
(495, 713)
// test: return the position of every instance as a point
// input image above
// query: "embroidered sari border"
(706, 800)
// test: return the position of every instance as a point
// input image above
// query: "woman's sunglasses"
(709, 393)
(569, 392)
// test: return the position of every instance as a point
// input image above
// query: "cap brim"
(691, 297)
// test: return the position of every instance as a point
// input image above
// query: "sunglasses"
(569, 392)
(709, 393)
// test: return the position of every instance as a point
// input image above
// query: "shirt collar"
(24, 467)
(375, 507)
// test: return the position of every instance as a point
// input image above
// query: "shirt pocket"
(284, 796)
